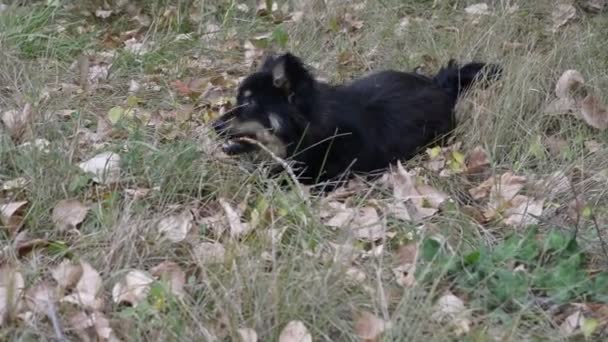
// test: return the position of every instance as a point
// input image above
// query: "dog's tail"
(456, 79)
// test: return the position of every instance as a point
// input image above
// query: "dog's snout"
(220, 125)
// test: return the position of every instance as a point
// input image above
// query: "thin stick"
(52, 313)
(282, 162)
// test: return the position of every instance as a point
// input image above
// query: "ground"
(499, 236)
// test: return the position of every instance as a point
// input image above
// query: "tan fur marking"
(261, 134)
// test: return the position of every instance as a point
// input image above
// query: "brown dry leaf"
(522, 211)
(364, 222)
(592, 146)
(572, 323)
(103, 14)
(595, 6)
(68, 214)
(368, 326)
(247, 335)
(252, 53)
(477, 160)
(87, 289)
(14, 184)
(569, 85)
(81, 323)
(67, 274)
(424, 199)
(451, 309)
(555, 184)
(555, 144)
(16, 121)
(404, 273)
(173, 275)
(105, 167)
(355, 275)
(11, 291)
(237, 228)
(502, 190)
(262, 7)
(133, 288)
(11, 216)
(561, 106)
(295, 331)
(41, 145)
(478, 9)
(210, 253)
(41, 298)
(594, 112)
(175, 228)
(351, 23)
(562, 14)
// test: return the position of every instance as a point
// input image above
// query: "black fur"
(360, 127)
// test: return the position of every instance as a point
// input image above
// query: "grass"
(300, 281)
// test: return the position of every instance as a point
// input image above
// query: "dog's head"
(271, 107)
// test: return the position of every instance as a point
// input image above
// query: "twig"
(52, 312)
(283, 163)
(599, 234)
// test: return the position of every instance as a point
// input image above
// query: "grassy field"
(142, 80)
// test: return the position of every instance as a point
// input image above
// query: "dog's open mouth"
(236, 145)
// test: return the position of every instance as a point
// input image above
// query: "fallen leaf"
(401, 27)
(562, 14)
(40, 298)
(68, 214)
(247, 335)
(103, 14)
(16, 121)
(81, 322)
(368, 326)
(252, 53)
(424, 199)
(477, 160)
(478, 9)
(175, 228)
(87, 289)
(14, 184)
(295, 331)
(11, 216)
(572, 323)
(237, 228)
(133, 288)
(503, 189)
(522, 211)
(569, 85)
(451, 309)
(555, 144)
(594, 112)
(105, 167)
(136, 47)
(561, 106)
(592, 146)
(404, 272)
(356, 275)
(67, 274)
(210, 253)
(11, 291)
(41, 145)
(595, 6)
(173, 275)
(364, 222)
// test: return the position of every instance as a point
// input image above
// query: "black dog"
(360, 127)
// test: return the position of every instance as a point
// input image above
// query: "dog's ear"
(290, 74)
